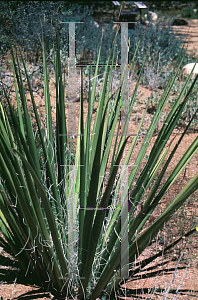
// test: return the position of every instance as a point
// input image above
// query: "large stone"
(188, 68)
(152, 16)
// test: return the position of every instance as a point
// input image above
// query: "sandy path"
(191, 32)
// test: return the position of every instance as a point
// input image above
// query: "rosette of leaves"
(64, 226)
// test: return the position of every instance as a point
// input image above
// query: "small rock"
(152, 16)
(179, 22)
(96, 24)
(188, 68)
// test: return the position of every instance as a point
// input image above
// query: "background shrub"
(24, 20)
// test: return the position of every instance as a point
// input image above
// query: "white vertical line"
(71, 209)
(72, 80)
(124, 131)
(124, 68)
(124, 224)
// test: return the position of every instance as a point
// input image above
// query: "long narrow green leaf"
(13, 185)
(147, 261)
(50, 171)
(18, 103)
(82, 170)
(91, 199)
(157, 148)
(50, 217)
(115, 215)
(99, 220)
(50, 142)
(32, 145)
(144, 239)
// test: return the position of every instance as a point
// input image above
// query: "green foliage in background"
(23, 20)
(164, 50)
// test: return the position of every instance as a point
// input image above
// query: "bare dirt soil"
(191, 34)
(162, 280)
